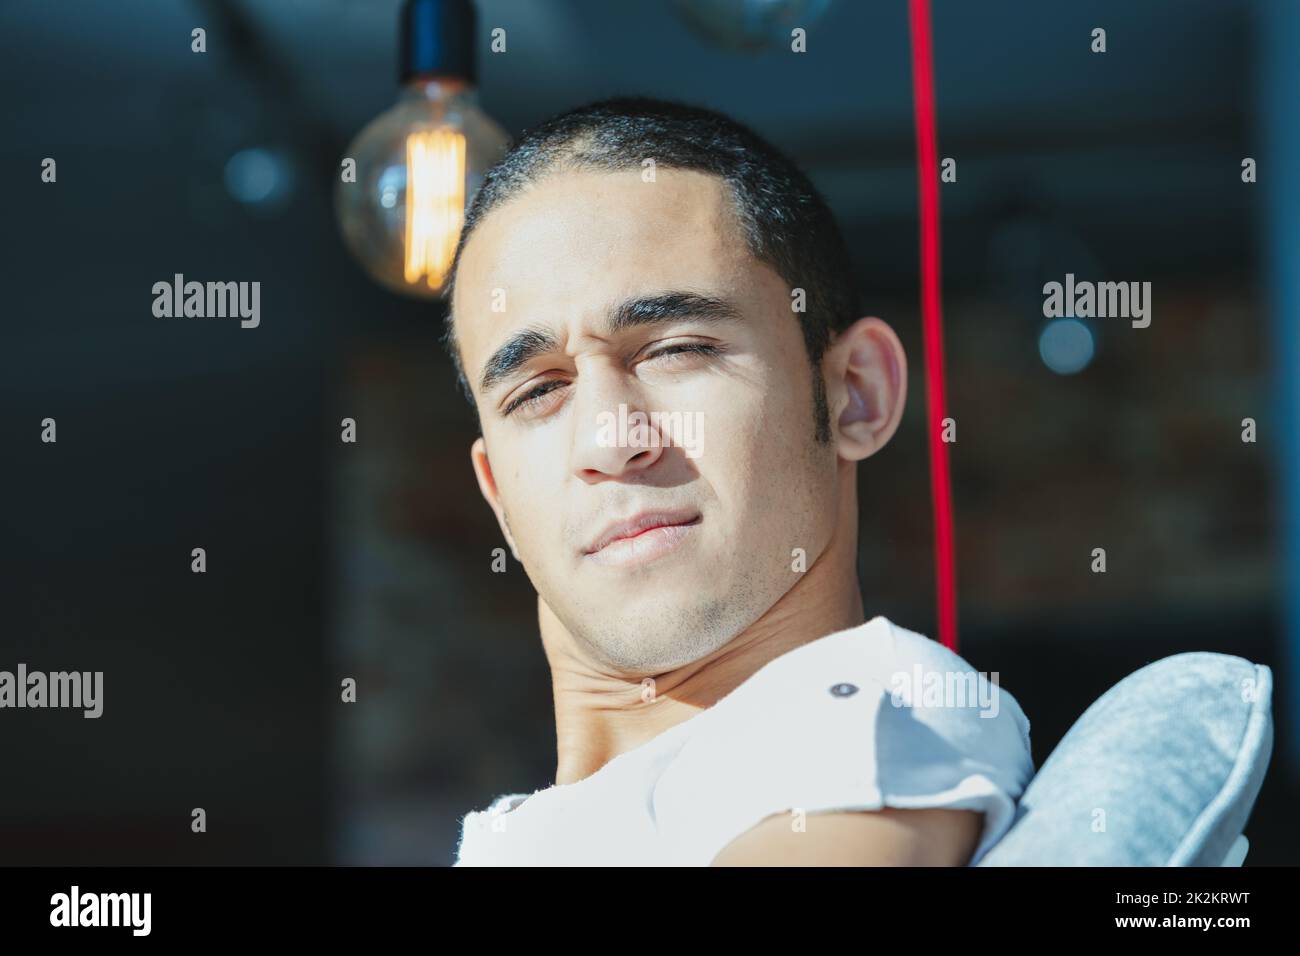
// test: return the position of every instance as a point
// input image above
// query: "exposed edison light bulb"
(420, 163)
(435, 203)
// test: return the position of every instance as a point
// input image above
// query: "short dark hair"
(786, 221)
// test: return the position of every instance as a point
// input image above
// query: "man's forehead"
(582, 240)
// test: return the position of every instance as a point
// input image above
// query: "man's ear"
(488, 486)
(866, 387)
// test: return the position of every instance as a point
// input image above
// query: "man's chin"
(649, 630)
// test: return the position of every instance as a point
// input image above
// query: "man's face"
(575, 292)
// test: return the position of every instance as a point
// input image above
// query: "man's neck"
(598, 717)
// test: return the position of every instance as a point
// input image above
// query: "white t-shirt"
(875, 715)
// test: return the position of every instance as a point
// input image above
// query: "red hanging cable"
(927, 159)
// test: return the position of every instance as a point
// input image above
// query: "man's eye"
(700, 348)
(533, 398)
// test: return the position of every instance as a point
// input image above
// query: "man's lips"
(639, 524)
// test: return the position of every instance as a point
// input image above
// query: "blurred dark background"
(373, 560)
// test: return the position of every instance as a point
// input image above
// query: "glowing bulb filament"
(435, 203)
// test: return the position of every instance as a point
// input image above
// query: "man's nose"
(614, 434)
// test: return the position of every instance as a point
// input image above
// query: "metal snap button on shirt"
(844, 690)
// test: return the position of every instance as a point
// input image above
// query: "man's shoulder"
(872, 693)
(882, 662)
(824, 728)
(870, 656)
(827, 687)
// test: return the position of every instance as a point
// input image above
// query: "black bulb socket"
(438, 40)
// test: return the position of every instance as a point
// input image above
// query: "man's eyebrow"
(518, 350)
(527, 344)
(667, 306)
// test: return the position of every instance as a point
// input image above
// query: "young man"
(654, 316)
